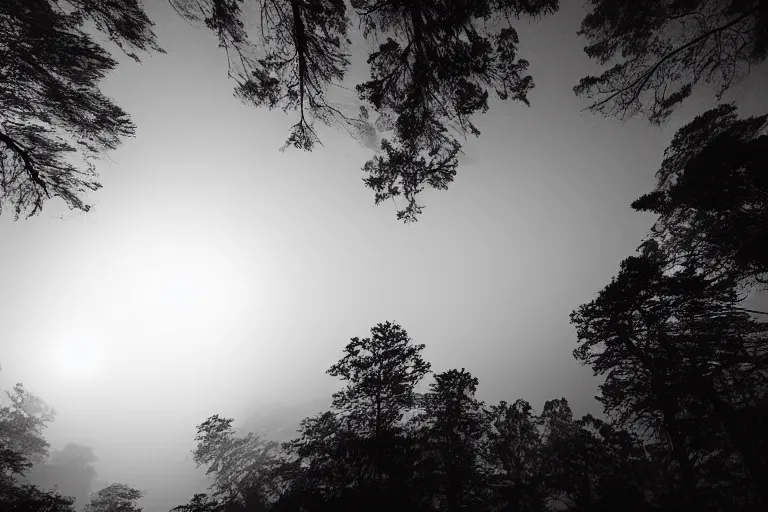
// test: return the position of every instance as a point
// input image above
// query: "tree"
(451, 430)
(589, 464)
(434, 70)
(685, 365)
(28, 498)
(22, 444)
(512, 454)
(662, 49)
(331, 465)
(381, 373)
(712, 194)
(359, 454)
(298, 52)
(240, 465)
(114, 498)
(21, 428)
(54, 120)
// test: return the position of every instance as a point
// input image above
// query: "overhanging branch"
(29, 165)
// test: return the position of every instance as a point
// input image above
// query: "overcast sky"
(216, 274)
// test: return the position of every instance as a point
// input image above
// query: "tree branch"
(643, 79)
(27, 159)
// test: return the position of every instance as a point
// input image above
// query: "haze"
(217, 275)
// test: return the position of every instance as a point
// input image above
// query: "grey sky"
(216, 274)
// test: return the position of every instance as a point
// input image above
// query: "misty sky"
(216, 274)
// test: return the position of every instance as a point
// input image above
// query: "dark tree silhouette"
(54, 120)
(663, 48)
(380, 373)
(451, 428)
(332, 465)
(684, 365)
(513, 458)
(712, 194)
(297, 52)
(434, 70)
(28, 498)
(428, 78)
(114, 497)
(590, 464)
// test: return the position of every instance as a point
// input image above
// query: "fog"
(217, 275)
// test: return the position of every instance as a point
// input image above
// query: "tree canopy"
(712, 194)
(659, 50)
(55, 122)
(114, 498)
(432, 65)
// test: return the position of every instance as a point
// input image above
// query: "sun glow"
(78, 357)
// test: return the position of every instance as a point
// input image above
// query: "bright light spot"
(78, 357)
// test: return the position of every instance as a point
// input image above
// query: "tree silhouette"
(684, 365)
(434, 70)
(114, 497)
(381, 373)
(54, 120)
(662, 49)
(22, 444)
(239, 465)
(433, 65)
(360, 454)
(512, 454)
(590, 464)
(21, 426)
(451, 430)
(298, 51)
(28, 498)
(712, 194)
(428, 78)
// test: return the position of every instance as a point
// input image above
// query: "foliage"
(431, 74)
(381, 373)
(662, 49)
(433, 71)
(590, 464)
(450, 431)
(512, 454)
(238, 464)
(201, 503)
(682, 363)
(54, 120)
(299, 49)
(28, 498)
(712, 194)
(114, 498)
(21, 429)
